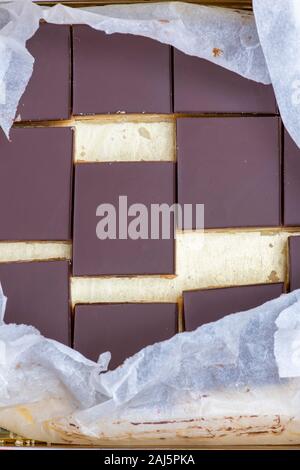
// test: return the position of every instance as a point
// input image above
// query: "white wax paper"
(278, 24)
(194, 29)
(224, 369)
(18, 22)
(287, 343)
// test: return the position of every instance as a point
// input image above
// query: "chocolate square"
(232, 166)
(119, 73)
(294, 262)
(291, 173)
(141, 182)
(209, 305)
(122, 329)
(38, 295)
(35, 184)
(48, 93)
(203, 87)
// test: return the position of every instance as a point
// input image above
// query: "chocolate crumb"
(217, 52)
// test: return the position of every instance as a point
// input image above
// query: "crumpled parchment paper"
(278, 24)
(228, 381)
(18, 22)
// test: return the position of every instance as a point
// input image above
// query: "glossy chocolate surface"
(209, 305)
(38, 295)
(48, 93)
(35, 184)
(119, 73)
(122, 329)
(232, 166)
(142, 183)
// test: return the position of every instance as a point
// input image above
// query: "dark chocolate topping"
(123, 329)
(38, 295)
(208, 305)
(120, 72)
